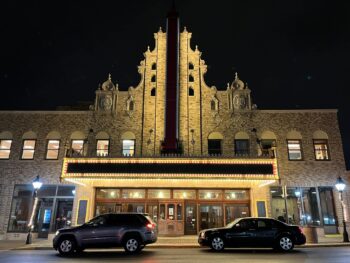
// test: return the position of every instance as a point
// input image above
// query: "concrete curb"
(192, 246)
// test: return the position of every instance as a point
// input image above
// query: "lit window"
(53, 147)
(5, 148)
(321, 149)
(102, 148)
(28, 149)
(241, 147)
(294, 150)
(77, 147)
(128, 147)
(214, 146)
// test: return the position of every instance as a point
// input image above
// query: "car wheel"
(285, 243)
(217, 243)
(132, 245)
(66, 246)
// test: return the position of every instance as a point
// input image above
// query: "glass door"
(44, 217)
(211, 216)
(171, 220)
(63, 215)
(191, 219)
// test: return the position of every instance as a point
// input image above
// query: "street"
(148, 255)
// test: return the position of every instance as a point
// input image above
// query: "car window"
(262, 224)
(246, 224)
(100, 220)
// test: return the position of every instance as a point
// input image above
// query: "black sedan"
(253, 232)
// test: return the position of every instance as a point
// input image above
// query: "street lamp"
(340, 185)
(36, 185)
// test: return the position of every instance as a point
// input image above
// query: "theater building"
(193, 156)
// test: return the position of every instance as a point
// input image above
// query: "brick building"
(190, 155)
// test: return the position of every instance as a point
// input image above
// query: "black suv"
(253, 232)
(130, 230)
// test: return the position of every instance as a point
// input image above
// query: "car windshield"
(231, 224)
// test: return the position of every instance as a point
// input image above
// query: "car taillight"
(150, 226)
(300, 230)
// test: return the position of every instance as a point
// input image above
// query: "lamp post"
(36, 185)
(340, 185)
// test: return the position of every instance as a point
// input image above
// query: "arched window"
(214, 143)
(153, 92)
(53, 145)
(128, 144)
(190, 91)
(267, 143)
(78, 140)
(241, 144)
(28, 146)
(294, 146)
(190, 78)
(213, 105)
(131, 105)
(153, 79)
(190, 66)
(154, 66)
(321, 148)
(102, 144)
(5, 144)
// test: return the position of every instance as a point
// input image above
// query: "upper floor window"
(190, 91)
(5, 149)
(242, 147)
(28, 149)
(190, 78)
(267, 147)
(321, 149)
(131, 105)
(102, 148)
(153, 92)
(153, 79)
(77, 147)
(154, 66)
(294, 150)
(128, 147)
(214, 146)
(190, 66)
(213, 105)
(52, 150)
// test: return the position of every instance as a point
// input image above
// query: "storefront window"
(327, 205)
(21, 208)
(210, 194)
(301, 204)
(133, 193)
(107, 193)
(158, 193)
(236, 194)
(103, 208)
(184, 194)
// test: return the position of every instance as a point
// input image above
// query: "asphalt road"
(152, 255)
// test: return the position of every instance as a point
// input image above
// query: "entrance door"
(191, 219)
(63, 215)
(44, 217)
(170, 220)
(211, 216)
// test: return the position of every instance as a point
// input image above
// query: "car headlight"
(57, 232)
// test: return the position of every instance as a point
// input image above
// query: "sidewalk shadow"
(253, 251)
(115, 254)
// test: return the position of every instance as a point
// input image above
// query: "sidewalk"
(163, 242)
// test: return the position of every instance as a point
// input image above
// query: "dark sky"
(293, 54)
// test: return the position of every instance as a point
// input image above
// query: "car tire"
(285, 243)
(132, 244)
(217, 243)
(66, 246)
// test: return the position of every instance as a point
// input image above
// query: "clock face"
(106, 103)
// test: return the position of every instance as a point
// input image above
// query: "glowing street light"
(340, 185)
(36, 185)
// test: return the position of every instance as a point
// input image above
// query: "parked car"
(129, 230)
(253, 232)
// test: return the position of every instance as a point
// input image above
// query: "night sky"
(293, 54)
